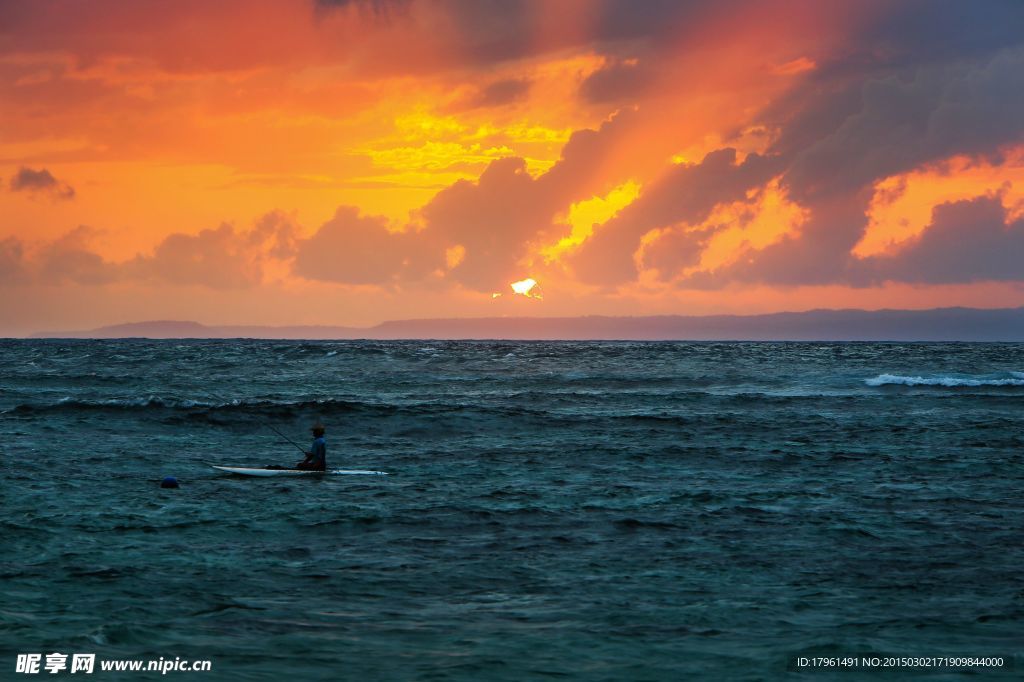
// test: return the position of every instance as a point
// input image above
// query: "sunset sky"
(348, 162)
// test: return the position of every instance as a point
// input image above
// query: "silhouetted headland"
(940, 324)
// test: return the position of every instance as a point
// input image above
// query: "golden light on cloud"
(766, 217)
(436, 156)
(771, 217)
(454, 255)
(447, 147)
(902, 205)
(583, 215)
(422, 124)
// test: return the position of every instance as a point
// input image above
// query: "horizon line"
(823, 324)
(374, 325)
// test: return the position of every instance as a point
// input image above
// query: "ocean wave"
(154, 402)
(1015, 379)
(178, 409)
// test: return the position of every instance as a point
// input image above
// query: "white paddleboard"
(245, 471)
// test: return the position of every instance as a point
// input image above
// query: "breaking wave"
(1015, 379)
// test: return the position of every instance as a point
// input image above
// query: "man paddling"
(316, 458)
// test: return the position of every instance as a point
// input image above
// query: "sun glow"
(526, 288)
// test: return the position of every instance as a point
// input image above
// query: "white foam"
(947, 381)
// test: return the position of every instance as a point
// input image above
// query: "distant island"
(940, 324)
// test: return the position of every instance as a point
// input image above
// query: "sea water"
(577, 510)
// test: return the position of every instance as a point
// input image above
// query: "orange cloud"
(584, 216)
(619, 152)
(902, 205)
(762, 218)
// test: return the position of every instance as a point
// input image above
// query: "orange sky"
(348, 162)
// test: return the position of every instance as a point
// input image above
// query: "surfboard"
(246, 471)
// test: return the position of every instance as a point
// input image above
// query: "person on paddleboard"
(316, 458)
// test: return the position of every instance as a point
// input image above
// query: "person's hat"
(317, 426)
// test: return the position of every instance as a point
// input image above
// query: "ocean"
(554, 510)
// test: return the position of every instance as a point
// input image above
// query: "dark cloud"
(69, 259)
(499, 93)
(685, 194)
(657, 22)
(378, 10)
(820, 254)
(925, 31)
(676, 249)
(355, 249)
(905, 120)
(66, 259)
(372, 5)
(275, 233)
(967, 241)
(616, 82)
(494, 219)
(219, 258)
(489, 31)
(486, 32)
(41, 182)
(481, 33)
(12, 262)
(214, 257)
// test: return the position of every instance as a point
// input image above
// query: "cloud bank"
(760, 137)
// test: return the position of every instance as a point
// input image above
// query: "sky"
(346, 162)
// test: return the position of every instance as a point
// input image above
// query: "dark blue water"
(593, 511)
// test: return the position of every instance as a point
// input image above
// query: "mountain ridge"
(935, 324)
